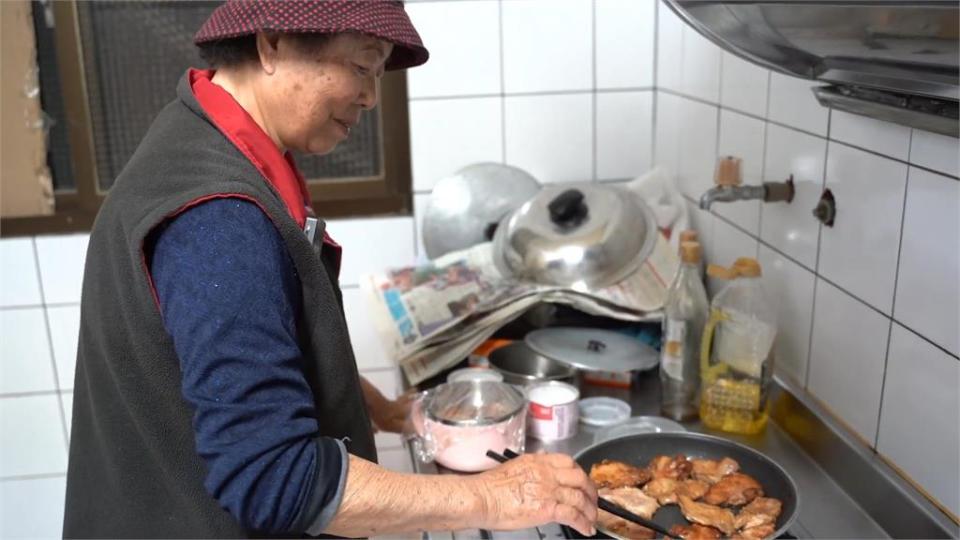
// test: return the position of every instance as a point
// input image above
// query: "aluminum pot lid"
(465, 208)
(473, 403)
(593, 349)
(584, 235)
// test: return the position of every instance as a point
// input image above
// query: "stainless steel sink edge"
(898, 508)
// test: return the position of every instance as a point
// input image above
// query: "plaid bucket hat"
(382, 19)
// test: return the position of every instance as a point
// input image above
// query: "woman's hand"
(391, 415)
(535, 489)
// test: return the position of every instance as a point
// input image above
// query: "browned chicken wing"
(694, 532)
(755, 533)
(711, 471)
(676, 468)
(733, 490)
(616, 474)
(622, 528)
(762, 511)
(707, 514)
(665, 490)
(633, 499)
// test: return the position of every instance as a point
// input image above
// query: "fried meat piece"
(632, 499)
(616, 474)
(622, 528)
(676, 468)
(694, 532)
(711, 471)
(755, 533)
(762, 511)
(665, 490)
(707, 514)
(733, 490)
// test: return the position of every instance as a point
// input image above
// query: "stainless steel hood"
(892, 59)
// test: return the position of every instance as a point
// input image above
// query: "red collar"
(243, 131)
(234, 122)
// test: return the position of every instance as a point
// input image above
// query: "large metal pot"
(522, 366)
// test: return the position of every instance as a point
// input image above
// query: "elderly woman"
(216, 392)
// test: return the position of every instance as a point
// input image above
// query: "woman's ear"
(268, 50)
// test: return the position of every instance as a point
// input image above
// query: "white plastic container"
(552, 413)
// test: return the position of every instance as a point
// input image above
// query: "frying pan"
(639, 449)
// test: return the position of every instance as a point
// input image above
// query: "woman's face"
(313, 97)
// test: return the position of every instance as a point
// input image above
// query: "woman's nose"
(370, 93)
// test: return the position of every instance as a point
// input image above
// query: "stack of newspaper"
(431, 316)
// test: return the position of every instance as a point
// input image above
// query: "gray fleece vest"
(134, 471)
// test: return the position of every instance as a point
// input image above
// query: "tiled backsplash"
(868, 309)
(566, 90)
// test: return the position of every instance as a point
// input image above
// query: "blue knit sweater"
(230, 298)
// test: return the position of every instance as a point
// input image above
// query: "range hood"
(896, 60)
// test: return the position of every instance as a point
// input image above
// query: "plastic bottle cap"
(747, 267)
(689, 235)
(690, 252)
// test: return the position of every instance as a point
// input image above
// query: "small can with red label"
(553, 413)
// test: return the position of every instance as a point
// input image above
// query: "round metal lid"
(465, 208)
(582, 235)
(593, 349)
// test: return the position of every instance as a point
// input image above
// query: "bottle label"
(672, 357)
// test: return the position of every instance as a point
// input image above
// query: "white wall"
(868, 308)
(563, 89)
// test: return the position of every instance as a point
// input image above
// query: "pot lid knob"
(568, 209)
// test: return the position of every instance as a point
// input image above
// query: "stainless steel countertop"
(826, 511)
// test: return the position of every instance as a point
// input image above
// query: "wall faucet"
(728, 188)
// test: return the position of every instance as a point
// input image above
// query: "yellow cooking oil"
(732, 399)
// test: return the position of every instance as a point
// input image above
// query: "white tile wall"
(366, 344)
(624, 125)
(792, 103)
(625, 35)
(557, 56)
(669, 48)
(551, 145)
(918, 422)
(666, 142)
(847, 355)
(859, 253)
(893, 257)
(701, 66)
(464, 44)
(744, 85)
(440, 142)
(696, 162)
(31, 436)
(789, 227)
(935, 151)
(32, 508)
(19, 285)
(790, 288)
(61, 276)
(884, 137)
(370, 245)
(24, 347)
(66, 403)
(743, 137)
(928, 288)
(64, 324)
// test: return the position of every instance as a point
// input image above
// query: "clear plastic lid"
(473, 403)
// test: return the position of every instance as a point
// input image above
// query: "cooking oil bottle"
(736, 353)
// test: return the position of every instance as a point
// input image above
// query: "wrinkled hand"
(391, 415)
(535, 489)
